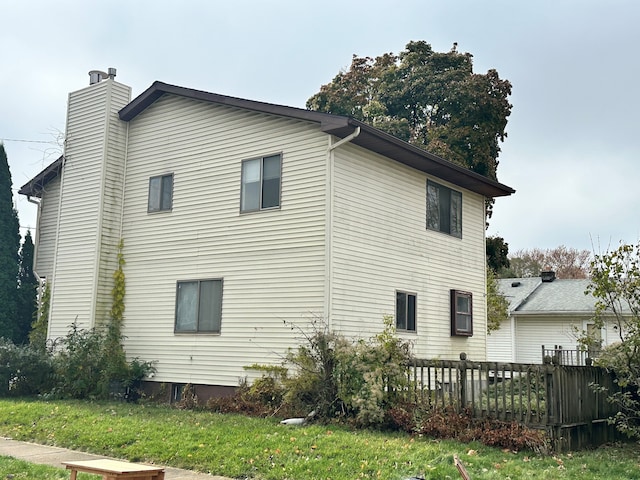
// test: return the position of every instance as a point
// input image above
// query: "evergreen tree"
(9, 246)
(27, 292)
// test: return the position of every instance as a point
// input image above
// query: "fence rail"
(557, 398)
(569, 356)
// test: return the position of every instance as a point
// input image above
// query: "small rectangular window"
(261, 183)
(160, 193)
(461, 313)
(406, 311)
(199, 306)
(444, 209)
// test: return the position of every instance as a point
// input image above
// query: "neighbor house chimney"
(548, 275)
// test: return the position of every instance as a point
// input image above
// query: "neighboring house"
(546, 312)
(245, 222)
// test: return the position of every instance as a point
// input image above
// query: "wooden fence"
(557, 398)
(569, 356)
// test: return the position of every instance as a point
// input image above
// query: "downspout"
(36, 240)
(54, 267)
(329, 193)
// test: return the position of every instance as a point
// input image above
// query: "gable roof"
(370, 138)
(35, 186)
(535, 297)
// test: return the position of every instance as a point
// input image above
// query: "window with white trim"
(405, 311)
(444, 209)
(461, 313)
(160, 193)
(198, 306)
(261, 183)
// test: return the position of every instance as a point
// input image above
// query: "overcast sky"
(572, 152)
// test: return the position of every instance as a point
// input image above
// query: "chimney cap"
(96, 76)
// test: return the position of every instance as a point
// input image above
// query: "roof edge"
(35, 186)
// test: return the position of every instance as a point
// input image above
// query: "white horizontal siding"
(380, 245)
(90, 112)
(500, 343)
(271, 262)
(532, 333)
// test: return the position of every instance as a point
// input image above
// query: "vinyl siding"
(271, 262)
(381, 244)
(90, 132)
(500, 343)
(532, 333)
(46, 232)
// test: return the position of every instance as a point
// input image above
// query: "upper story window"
(444, 209)
(199, 306)
(406, 311)
(261, 183)
(461, 313)
(160, 193)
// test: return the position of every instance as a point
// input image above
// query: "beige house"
(241, 219)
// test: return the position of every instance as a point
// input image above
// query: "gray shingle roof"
(532, 296)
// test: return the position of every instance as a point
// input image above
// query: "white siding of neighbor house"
(533, 332)
(46, 231)
(500, 343)
(381, 244)
(92, 130)
(271, 262)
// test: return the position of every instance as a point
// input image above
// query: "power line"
(27, 141)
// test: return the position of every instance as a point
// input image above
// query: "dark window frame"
(199, 306)
(266, 197)
(461, 320)
(444, 209)
(161, 206)
(406, 311)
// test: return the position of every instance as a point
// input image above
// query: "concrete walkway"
(34, 453)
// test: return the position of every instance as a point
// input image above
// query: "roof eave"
(35, 186)
(370, 138)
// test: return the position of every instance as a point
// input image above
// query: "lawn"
(242, 447)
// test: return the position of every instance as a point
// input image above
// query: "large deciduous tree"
(565, 262)
(9, 246)
(27, 292)
(430, 99)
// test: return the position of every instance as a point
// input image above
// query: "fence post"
(462, 367)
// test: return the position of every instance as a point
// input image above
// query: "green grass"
(19, 470)
(241, 447)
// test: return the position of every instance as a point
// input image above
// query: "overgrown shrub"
(24, 370)
(86, 366)
(370, 374)
(447, 423)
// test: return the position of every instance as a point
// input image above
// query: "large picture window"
(160, 193)
(260, 183)
(199, 306)
(444, 209)
(461, 313)
(406, 311)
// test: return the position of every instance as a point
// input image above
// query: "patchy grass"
(242, 447)
(11, 468)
